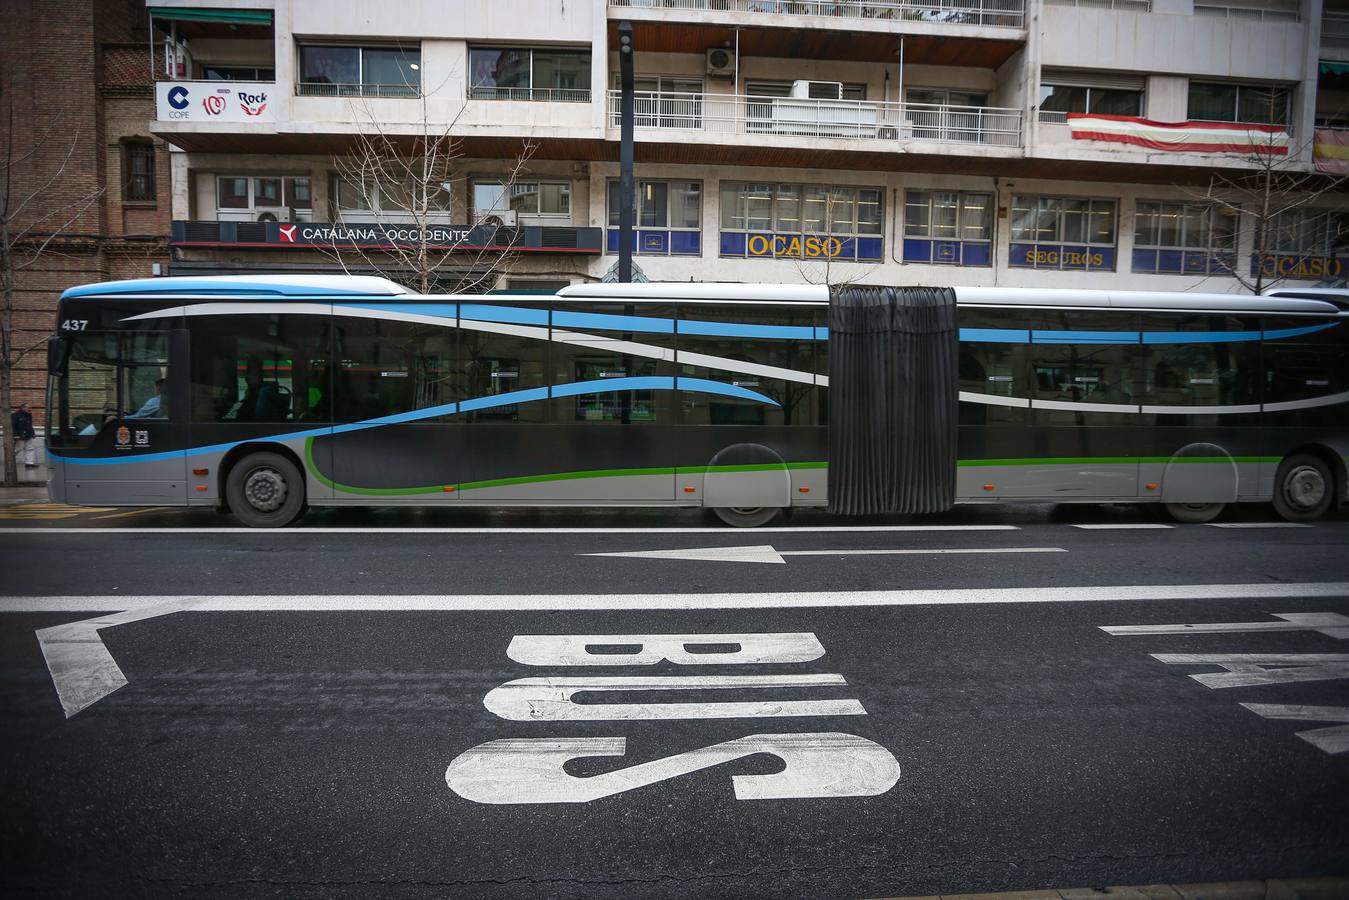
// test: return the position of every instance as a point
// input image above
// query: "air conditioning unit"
(817, 90)
(279, 214)
(720, 63)
(499, 218)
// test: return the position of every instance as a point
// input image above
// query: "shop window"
(667, 216)
(793, 221)
(1069, 233)
(1184, 238)
(950, 228)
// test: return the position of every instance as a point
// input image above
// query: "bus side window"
(1195, 360)
(387, 366)
(723, 354)
(259, 368)
(993, 361)
(1084, 358)
(488, 365)
(622, 342)
(1305, 366)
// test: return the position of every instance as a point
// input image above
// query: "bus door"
(120, 417)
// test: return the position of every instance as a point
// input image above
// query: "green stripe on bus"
(1111, 460)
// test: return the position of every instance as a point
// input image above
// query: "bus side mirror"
(57, 356)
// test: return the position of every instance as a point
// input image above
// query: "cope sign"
(532, 770)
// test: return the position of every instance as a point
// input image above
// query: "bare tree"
(408, 180)
(33, 215)
(1268, 188)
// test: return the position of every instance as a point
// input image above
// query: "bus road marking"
(83, 671)
(766, 553)
(1333, 740)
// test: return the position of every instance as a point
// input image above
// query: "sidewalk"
(1273, 889)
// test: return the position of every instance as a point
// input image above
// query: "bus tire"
(1304, 488)
(747, 517)
(265, 490)
(1194, 513)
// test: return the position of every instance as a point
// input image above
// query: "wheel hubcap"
(1304, 488)
(265, 490)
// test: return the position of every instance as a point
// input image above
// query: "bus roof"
(987, 296)
(242, 286)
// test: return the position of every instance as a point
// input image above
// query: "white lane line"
(767, 553)
(1123, 526)
(375, 530)
(1258, 525)
(84, 672)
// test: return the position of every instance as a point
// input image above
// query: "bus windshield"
(108, 376)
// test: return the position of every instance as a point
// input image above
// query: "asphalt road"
(383, 703)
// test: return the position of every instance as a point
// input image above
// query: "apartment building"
(1063, 143)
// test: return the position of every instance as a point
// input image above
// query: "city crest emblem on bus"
(123, 436)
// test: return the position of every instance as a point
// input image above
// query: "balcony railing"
(323, 89)
(846, 119)
(1246, 13)
(1121, 5)
(997, 13)
(1335, 28)
(544, 95)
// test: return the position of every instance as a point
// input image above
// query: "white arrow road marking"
(1332, 740)
(84, 672)
(1252, 669)
(766, 553)
(530, 770)
(549, 698)
(1124, 526)
(1330, 624)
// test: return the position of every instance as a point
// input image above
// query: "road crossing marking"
(84, 671)
(1258, 525)
(1330, 624)
(766, 553)
(1123, 526)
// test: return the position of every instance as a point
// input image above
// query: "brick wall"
(78, 76)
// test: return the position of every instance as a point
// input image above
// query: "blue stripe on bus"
(1278, 333)
(1084, 337)
(995, 335)
(439, 310)
(510, 398)
(1199, 337)
(518, 315)
(607, 322)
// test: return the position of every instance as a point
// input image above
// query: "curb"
(1273, 889)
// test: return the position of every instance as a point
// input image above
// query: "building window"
(667, 217)
(403, 202)
(211, 72)
(551, 199)
(1057, 100)
(265, 198)
(1062, 233)
(950, 228)
(800, 221)
(1305, 244)
(525, 73)
(138, 168)
(1261, 104)
(1184, 238)
(380, 71)
(814, 90)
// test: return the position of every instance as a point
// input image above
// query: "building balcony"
(536, 95)
(383, 91)
(988, 13)
(896, 125)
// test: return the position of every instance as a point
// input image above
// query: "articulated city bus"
(263, 395)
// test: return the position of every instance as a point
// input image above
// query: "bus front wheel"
(1194, 513)
(1303, 488)
(265, 490)
(747, 516)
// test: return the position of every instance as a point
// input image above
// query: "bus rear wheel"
(265, 490)
(747, 516)
(1194, 513)
(1304, 488)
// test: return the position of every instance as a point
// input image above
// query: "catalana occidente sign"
(385, 235)
(214, 101)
